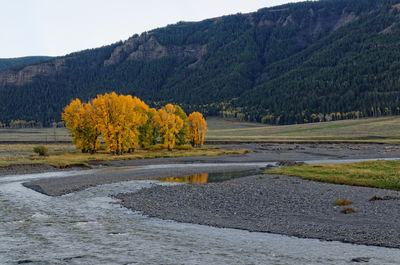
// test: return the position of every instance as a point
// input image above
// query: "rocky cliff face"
(323, 22)
(26, 74)
(146, 47)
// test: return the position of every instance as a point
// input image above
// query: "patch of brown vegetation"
(343, 202)
(384, 198)
(286, 163)
(348, 210)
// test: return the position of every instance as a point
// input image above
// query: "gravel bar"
(277, 204)
(64, 185)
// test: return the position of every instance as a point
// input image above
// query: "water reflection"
(211, 177)
(195, 178)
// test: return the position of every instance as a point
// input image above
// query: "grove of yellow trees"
(123, 123)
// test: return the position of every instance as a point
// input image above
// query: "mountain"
(294, 63)
(6, 63)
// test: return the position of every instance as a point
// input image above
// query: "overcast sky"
(59, 27)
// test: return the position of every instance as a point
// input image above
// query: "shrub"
(41, 150)
(183, 147)
(157, 147)
(343, 202)
(348, 210)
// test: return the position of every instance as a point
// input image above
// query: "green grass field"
(377, 174)
(386, 129)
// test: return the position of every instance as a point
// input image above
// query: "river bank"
(258, 153)
(124, 170)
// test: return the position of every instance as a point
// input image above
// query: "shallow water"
(89, 227)
(211, 177)
(228, 175)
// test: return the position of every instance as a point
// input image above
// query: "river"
(90, 227)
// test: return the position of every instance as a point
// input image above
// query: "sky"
(59, 27)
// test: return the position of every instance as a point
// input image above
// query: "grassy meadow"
(376, 174)
(16, 147)
(43, 135)
(65, 155)
(382, 130)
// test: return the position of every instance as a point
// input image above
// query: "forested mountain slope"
(6, 63)
(288, 64)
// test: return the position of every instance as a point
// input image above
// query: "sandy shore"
(277, 204)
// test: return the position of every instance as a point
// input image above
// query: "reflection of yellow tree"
(195, 178)
(199, 178)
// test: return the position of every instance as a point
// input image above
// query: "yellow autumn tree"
(197, 128)
(140, 116)
(149, 131)
(79, 120)
(170, 125)
(183, 134)
(118, 118)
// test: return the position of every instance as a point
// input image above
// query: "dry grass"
(377, 174)
(44, 135)
(343, 202)
(386, 129)
(348, 210)
(65, 155)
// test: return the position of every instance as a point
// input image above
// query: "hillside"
(293, 63)
(6, 63)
